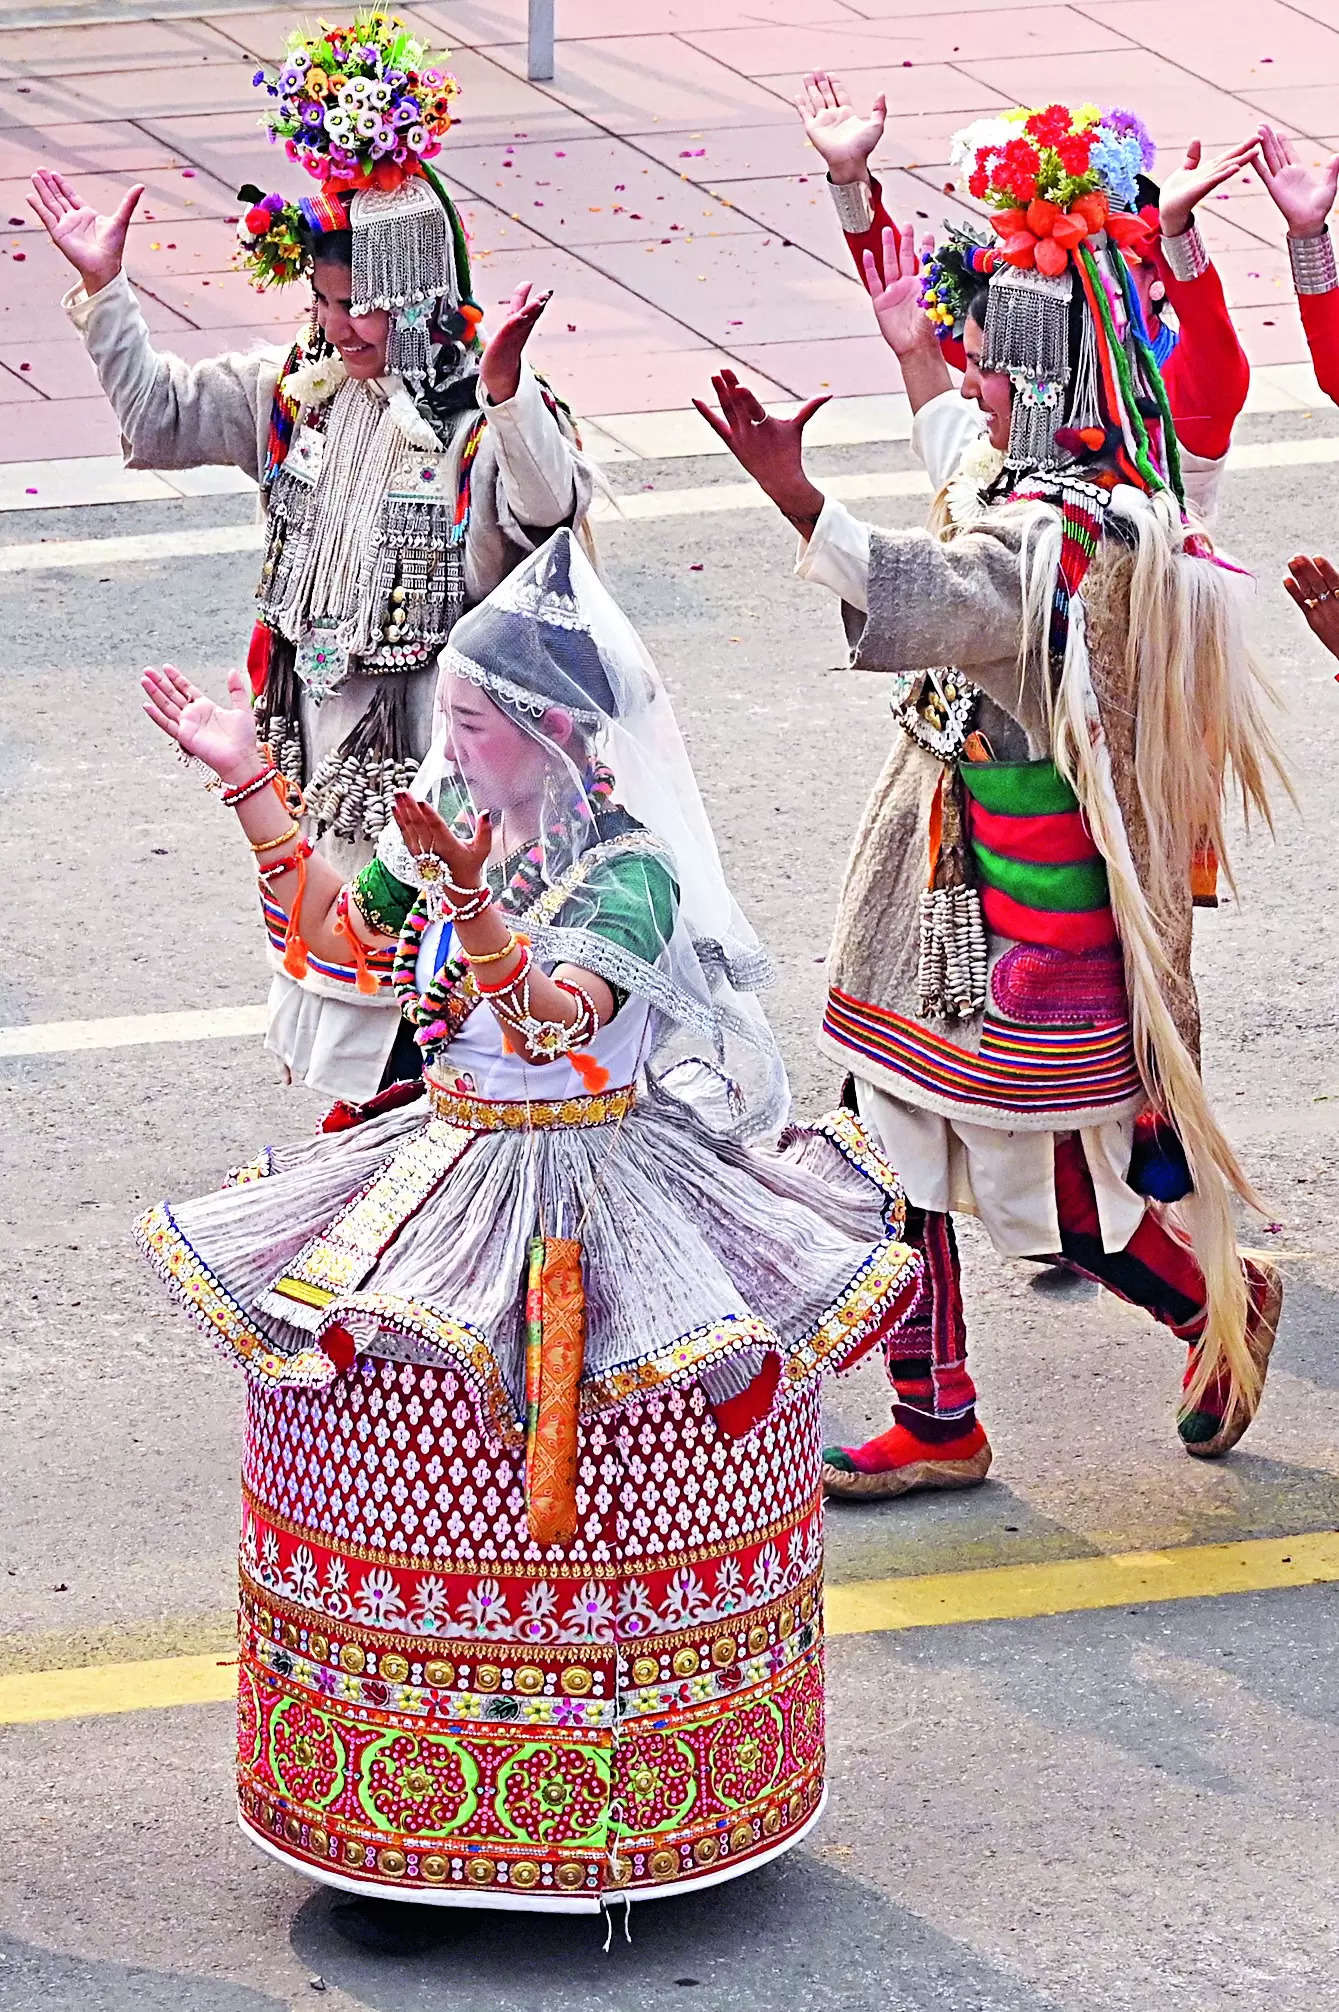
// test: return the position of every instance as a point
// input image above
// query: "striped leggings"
(934, 1395)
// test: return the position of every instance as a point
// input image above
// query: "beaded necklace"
(441, 1009)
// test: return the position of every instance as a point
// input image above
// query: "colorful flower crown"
(362, 106)
(1054, 178)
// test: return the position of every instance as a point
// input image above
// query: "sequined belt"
(486, 1114)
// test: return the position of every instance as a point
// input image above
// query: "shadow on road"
(799, 1933)
(31, 1978)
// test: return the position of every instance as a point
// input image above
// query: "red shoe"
(897, 1462)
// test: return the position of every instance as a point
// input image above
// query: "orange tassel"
(592, 1075)
(367, 984)
(295, 950)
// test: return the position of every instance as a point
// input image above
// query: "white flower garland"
(316, 383)
(964, 493)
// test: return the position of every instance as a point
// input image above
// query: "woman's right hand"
(94, 244)
(223, 737)
(895, 293)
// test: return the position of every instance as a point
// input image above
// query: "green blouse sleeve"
(632, 902)
(383, 901)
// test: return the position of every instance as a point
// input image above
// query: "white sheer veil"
(555, 654)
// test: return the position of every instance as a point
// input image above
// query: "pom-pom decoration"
(361, 106)
(270, 246)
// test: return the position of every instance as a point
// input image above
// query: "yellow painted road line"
(33, 1697)
(865, 1607)
(1077, 1585)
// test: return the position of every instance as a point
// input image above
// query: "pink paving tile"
(158, 250)
(481, 22)
(799, 208)
(633, 83)
(742, 289)
(16, 389)
(1271, 334)
(230, 147)
(35, 316)
(51, 429)
(1307, 109)
(496, 104)
(596, 385)
(113, 148)
(1252, 44)
(776, 147)
(1256, 277)
(196, 344)
(765, 50)
(925, 87)
(1177, 106)
(124, 94)
(852, 366)
(166, 196)
(56, 368)
(219, 300)
(1245, 203)
(491, 229)
(886, 10)
(589, 191)
(591, 313)
(121, 45)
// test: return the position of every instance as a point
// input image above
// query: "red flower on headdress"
(1075, 151)
(1049, 127)
(978, 182)
(1016, 170)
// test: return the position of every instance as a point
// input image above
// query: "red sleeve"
(871, 241)
(1207, 374)
(1320, 319)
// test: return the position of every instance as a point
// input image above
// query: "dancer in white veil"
(533, 1364)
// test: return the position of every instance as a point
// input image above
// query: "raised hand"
(223, 737)
(895, 295)
(500, 366)
(93, 243)
(1195, 179)
(424, 832)
(1314, 585)
(844, 137)
(771, 449)
(1304, 194)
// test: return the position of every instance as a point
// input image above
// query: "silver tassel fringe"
(402, 248)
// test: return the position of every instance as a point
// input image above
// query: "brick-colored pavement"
(661, 182)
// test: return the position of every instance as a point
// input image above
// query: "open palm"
(92, 242)
(843, 136)
(1305, 194)
(223, 737)
(895, 294)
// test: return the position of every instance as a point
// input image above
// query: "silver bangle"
(1185, 255)
(854, 205)
(1312, 261)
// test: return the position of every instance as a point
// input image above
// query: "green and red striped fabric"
(1043, 879)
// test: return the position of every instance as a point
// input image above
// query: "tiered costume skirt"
(433, 1705)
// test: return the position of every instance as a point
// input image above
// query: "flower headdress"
(364, 109)
(1060, 186)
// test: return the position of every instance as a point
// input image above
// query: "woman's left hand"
(500, 369)
(223, 737)
(427, 834)
(1196, 179)
(1314, 585)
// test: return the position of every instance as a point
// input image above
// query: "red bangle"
(491, 991)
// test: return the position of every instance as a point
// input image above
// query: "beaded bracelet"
(508, 984)
(462, 904)
(283, 866)
(232, 797)
(269, 844)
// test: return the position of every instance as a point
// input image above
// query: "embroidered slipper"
(897, 1463)
(1206, 1433)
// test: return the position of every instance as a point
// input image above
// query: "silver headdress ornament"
(1027, 335)
(403, 261)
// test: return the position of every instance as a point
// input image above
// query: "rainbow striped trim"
(379, 962)
(1029, 1070)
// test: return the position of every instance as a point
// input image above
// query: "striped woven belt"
(484, 1114)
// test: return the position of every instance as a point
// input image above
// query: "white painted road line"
(638, 508)
(133, 1030)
